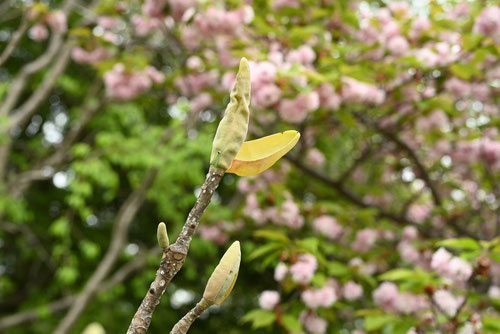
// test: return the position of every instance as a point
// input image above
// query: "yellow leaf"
(255, 156)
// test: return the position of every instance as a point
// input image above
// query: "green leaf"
(263, 250)
(465, 71)
(336, 268)
(291, 323)
(397, 275)
(271, 235)
(375, 322)
(459, 243)
(309, 245)
(491, 324)
(259, 318)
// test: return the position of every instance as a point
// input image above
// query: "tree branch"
(174, 256)
(182, 326)
(21, 114)
(124, 217)
(59, 305)
(408, 150)
(21, 182)
(341, 190)
(14, 41)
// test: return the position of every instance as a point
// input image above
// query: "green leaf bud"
(224, 276)
(94, 328)
(161, 234)
(233, 127)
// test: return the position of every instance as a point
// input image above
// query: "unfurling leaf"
(233, 127)
(224, 276)
(255, 156)
(161, 234)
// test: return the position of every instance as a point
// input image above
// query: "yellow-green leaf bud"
(233, 127)
(94, 328)
(224, 276)
(161, 234)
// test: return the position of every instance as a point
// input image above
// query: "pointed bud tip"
(244, 67)
(244, 62)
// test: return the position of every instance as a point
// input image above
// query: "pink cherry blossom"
(315, 157)
(108, 22)
(459, 269)
(360, 92)
(194, 63)
(194, 83)
(450, 267)
(327, 226)
(269, 299)
(144, 25)
(324, 297)
(352, 291)
(304, 55)
(447, 302)
(92, 57)
(303, 270)
(386, 296)
(410, 233)
(400, 8)
(252, 209)
(407, 252)
(487, 23)
(328, 98)
(490, 151)
(313, 323)
(440, 259)
(289, 215)
(458, 88)
(200, 102)
(280, 272)
(266, 96)
(466, 151)
(390, 29)
(126, 85)
(494, 292)
(408, 303)
(419, 212)
(278, 4)
(179, 7)
(398, 45)
(154, 74)
(213, 233)
(57, 21)
(38, 32)
(365, 240)
(427, 57)
(263, 72)
(153, 8)
(419, 25)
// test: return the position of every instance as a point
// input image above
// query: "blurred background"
(383, 219)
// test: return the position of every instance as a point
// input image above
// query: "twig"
(21, 114)
(182, 326)
(14, 41)
(174, 256)
(32, 239)
(365, 154)
(59, 305)
(124, 217)
(409, 151)
(21, 182)
(17, 86)
(340, 188)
